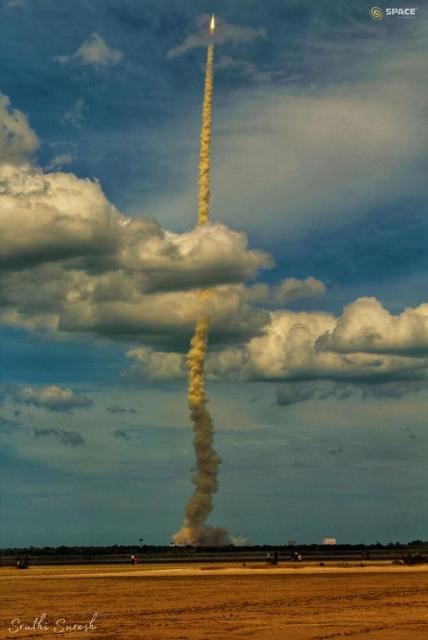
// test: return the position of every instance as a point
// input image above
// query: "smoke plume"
(204, 157)
(207, 460)
(194, 531)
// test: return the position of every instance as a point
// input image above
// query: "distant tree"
(416, 543)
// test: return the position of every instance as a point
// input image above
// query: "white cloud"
(52, 398)
(164, 319)
(120, 303)
(72, 262)
(155, 366)
(229, 364)
(296, 347)
(327, 154)
(17, 139)
(292, 289)
(224, 33)
(185, 260)
(52, 217)
(16, 3)
(60, 160)
(288, 290)
(75, 114)
(57, 216)
(291, 349)
(94, 52)
(40, 323)
(367, 326)
(246, 69)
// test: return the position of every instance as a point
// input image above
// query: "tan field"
(202, 602)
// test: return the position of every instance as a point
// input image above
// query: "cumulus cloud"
(52, 398)
(54, 216)
(290, 349)
(17, 139)
(165, 320)
(293, 289)
(94, 52)
(289, 290)
(295, 347)
(57, 216)
(155, 366)
(228, 364)
(116, 304)
(208, 254)
(224, 33)
(67, 438)
(72, 262)
(366, 325)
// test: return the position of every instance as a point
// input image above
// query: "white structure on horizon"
(330, 541)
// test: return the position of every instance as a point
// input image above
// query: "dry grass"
(191, 602)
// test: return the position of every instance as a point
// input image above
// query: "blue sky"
(316, 256)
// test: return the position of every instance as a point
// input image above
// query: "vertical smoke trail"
(194, 531)
(204, 156)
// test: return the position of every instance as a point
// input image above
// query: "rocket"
(212, 24)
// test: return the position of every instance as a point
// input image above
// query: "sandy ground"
(202, 602)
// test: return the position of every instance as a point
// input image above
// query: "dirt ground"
(211, 602)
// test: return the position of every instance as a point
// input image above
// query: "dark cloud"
(295, 392)
(117, 409)
(8, 424)
(336, 451)
(298, 465)
(397, 389)
(121, 434)
(67, 438)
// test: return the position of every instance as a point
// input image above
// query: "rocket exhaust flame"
(194, 531)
